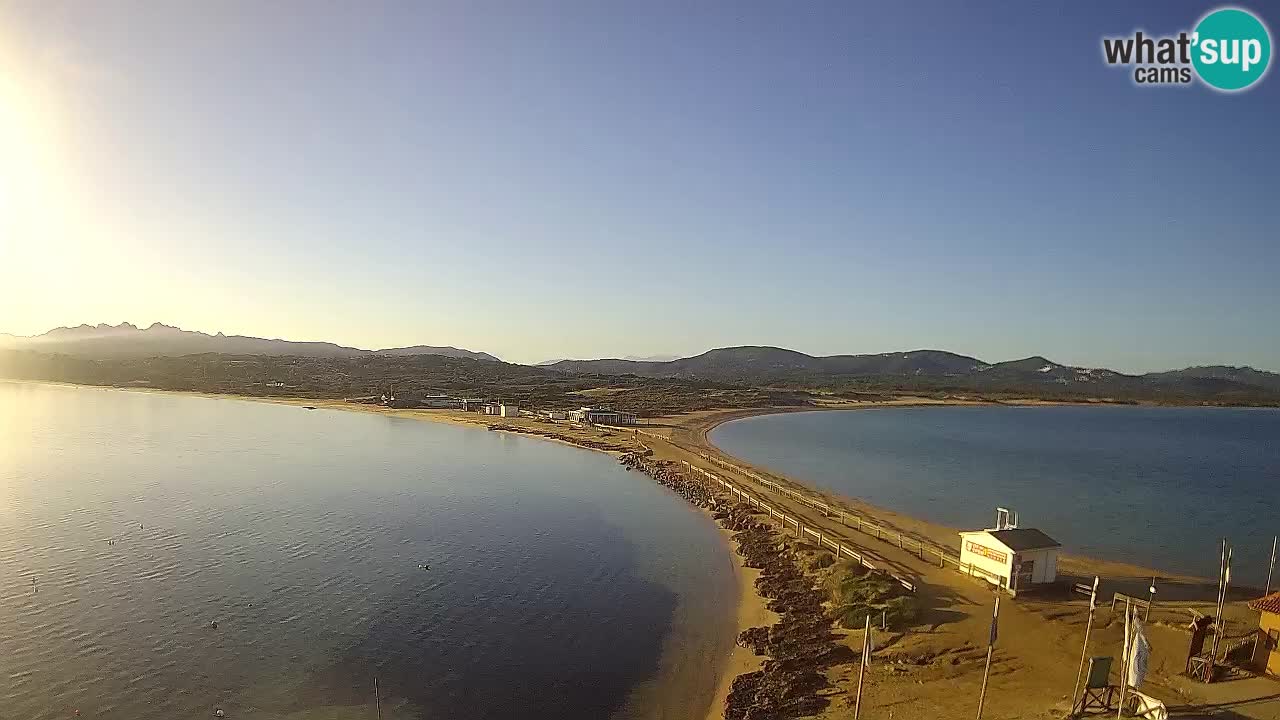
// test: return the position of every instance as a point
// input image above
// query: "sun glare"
(27, 161)
(39, 215)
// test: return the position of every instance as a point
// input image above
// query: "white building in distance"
(602, 416)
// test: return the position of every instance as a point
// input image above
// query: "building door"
(1022, 574)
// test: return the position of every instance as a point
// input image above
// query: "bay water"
(553, 583)
(1153, 486)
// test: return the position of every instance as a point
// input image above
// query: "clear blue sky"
(586, 179)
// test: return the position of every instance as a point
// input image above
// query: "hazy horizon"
(665, 357)
(573, 179)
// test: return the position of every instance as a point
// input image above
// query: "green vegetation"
(856, 592)
(412, 375)
(822, 559)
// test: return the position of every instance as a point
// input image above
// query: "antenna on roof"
(1006, 519)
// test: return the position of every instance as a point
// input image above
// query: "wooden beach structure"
(1013, 559)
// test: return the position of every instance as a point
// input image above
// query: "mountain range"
(939, 370)
(128, 340)
(935, 371)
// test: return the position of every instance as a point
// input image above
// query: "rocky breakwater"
(801, 646)
(668, 474)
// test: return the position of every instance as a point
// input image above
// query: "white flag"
(1139, 655)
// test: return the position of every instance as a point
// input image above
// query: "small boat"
(423, 566)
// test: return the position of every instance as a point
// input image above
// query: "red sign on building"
(985, 552)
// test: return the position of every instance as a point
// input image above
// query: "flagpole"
(1084, 652)
(1124, 661)
(1222, 599)
(1217, 610)
(1151, 599)
(991, 643)
(862, 670)
(1272, 566)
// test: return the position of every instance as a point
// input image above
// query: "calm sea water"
(1152, 486)
(555, 576)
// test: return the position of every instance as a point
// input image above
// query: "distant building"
(471, 405)
(508, 411)
(555, 414)
(602, 416)
(491, 409)
(275, 384)
(1266, 653)
(440, 401)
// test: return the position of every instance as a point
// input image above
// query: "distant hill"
(1220, 373)
(431, 350)
(769, 364)
(937, 370)
(160, 340)
(652, 358)
(630, 358)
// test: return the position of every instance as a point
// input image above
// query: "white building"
(1016, 559)
(602, 416)
(555, 414)
(508, 411)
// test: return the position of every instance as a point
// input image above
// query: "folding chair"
(1099, 694)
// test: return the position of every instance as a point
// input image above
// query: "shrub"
(854, 616)
(902, 611)
(822, 560)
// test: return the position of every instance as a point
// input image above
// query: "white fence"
(801, 530)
